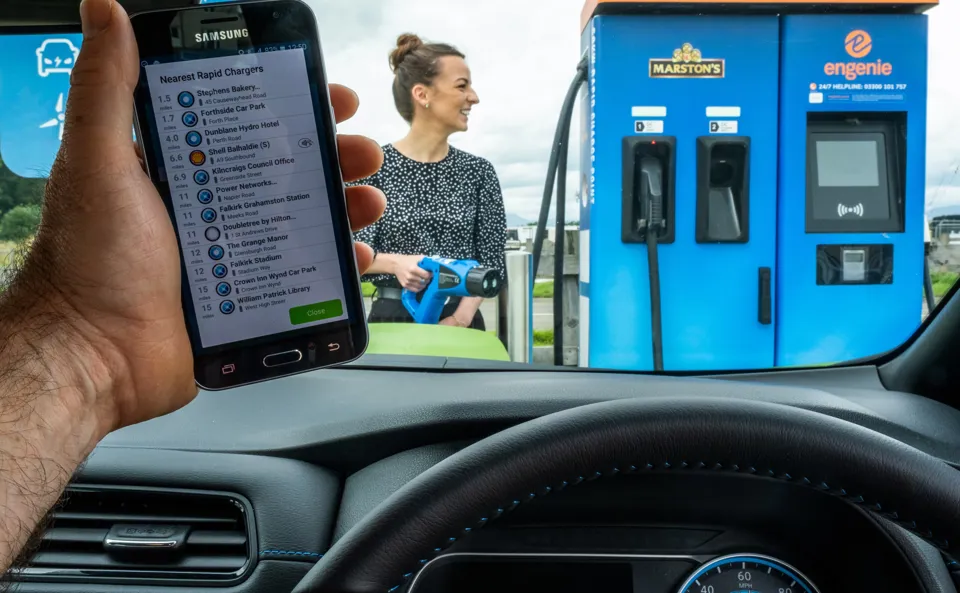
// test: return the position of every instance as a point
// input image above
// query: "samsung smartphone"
(236, 125)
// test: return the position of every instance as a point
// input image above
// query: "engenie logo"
(858, 45)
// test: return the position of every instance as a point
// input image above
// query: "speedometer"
(747, 573)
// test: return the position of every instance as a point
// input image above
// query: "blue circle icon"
(227, 307)
(215, 252)
(208, 215)
(185, 99)
(194, 138)
(212, 233)
(204, 195)
(201, 177)
(219, 270)
(189, 119)
(223, 289)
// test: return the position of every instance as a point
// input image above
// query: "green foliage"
(942, 282)
(20, 223)
(18, 191)
(20, 202)
(543, 337)
(543, 290)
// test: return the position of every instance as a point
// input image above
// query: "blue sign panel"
(34, 83)
(874, 68)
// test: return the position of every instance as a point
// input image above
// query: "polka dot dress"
(452, 208)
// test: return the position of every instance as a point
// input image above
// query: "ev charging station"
(753, 181)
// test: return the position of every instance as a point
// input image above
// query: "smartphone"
(234, 118)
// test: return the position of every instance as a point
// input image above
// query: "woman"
(441, 201)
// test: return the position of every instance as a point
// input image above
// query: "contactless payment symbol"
(205, 196)
(858, 43)
(201, 177)
(198, 158)
(219, 270)
(185, 99)
(227, 307)
(194, 138)
(223, 289)
(215, 252)
(189, 119)
(208, 215)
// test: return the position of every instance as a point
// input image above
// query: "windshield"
(738, 189)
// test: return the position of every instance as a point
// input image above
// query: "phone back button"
(275, 360)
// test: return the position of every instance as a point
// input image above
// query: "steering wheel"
(760, 441)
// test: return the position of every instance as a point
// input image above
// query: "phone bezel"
(316, 342)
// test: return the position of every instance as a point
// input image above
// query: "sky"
(523, 55)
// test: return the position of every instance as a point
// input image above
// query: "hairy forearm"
(50, 421)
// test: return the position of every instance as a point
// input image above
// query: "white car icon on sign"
(56, 56)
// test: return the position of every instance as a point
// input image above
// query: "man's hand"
(106, 255)
(92, 334)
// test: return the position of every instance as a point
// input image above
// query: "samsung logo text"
(221, 35)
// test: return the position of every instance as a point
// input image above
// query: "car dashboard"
(255, 484)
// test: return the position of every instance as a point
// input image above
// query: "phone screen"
(239, 138)
(244, 165)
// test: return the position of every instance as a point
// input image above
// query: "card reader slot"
(854, 264)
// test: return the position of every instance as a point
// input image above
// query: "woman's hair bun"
(406, 44)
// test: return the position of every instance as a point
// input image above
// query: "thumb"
(99, 114)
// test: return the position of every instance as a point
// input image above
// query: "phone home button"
(281, 358)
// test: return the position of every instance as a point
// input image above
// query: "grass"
(543, 337)
(942, 282)
(6, 250)
(543, 290)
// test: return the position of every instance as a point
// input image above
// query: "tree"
(17, 191)
(20, 223)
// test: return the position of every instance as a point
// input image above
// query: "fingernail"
(95, 16)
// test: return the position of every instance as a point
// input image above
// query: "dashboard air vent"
(131, 534)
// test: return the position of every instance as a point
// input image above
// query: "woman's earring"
(426, 105)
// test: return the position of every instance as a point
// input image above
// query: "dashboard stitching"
(309, 556)
(858, 500)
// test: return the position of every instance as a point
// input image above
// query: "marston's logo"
(687, 62)
(858, 44)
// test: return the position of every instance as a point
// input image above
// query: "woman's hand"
(409, 273)
(453, 321)
(466, 310)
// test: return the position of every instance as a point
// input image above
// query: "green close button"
(316, 312)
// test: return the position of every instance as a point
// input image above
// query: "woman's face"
(451, 95)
